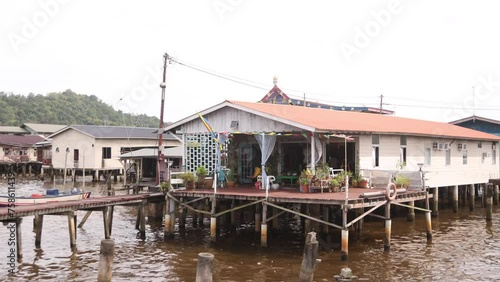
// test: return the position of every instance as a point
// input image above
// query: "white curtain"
(266, 144)
(318, 149)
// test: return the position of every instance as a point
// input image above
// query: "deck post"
(213, 221)
(72, 229)
(166, 228)
(19, 241)
(105, 219)
(455, 199)
(257, 218)
(105, 272)
(205, 267)
(489, 201)
(110, 225)
(410, 217)
(435, 202)
(142, 227)
(263, 228)
(308, 265)
(326, 217)
(38, 230)
(428, 224)
(388, 225)
(344, 251)
(495, 194)
(276, 224)
(472, 197)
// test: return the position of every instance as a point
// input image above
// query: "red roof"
(324, 120)
(20, 140)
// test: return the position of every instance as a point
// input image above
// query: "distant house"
(98, 148)
(18, 148)
(299, 137)
(277, 96)
(42, 129)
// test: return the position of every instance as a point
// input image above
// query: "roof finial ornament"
(275, 79)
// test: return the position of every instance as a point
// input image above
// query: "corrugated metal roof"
(116, 132)
(323, 120)
(20, 140)
(13, 130)
(44, 128)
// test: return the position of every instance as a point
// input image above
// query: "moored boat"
(52, 195)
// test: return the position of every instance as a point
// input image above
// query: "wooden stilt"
(19, 241)
(172, 218)
(195, 217)
(410, 217)
(326, 217)
(388, 226)
(182, 217)
(495, 194)
(314, 212)
(142, 228)
(213, 221)
(455, 199)
(276, 224)
(263, 228)
(307, 221)
(85, 217)
(428, 226)
(105, 218)
(72, 229)
(233, 213)
(138, 219)
(257, 218)
(166, 228)
(435, 202)
(110, 225)
(472, 196)
(38, 230)
(489, 201)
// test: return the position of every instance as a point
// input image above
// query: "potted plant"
(188, 178)
(305, 179)
(322, 171)
(356, 180)
(165, 187)
(201, 173)
(334, 184)
(402, 180)
(231, 179)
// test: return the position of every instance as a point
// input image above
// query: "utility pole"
(160, 131)
(381, 99)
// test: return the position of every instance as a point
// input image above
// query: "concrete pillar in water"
(167, 219)
(388, 225)
(142, 227)
(205, 267)
(428, 224)
(435, 202)
(106, 256)
(213, 221)
(455, 198)
(489, 201)
(19, 241)
(172, 218)
(38, 230)
(263, 228)
(308, 265)
(472, 195)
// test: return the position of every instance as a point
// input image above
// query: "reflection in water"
(464, 248)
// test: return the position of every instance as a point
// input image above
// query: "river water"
(464, 248)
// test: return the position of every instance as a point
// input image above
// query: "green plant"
(305, 176)
(323, 171)
(165, 186)
(201, 172)
(333, 182)
(402, 180)
(188, 177)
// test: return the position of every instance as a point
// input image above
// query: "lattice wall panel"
(200, 151)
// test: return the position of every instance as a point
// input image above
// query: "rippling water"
(464, 248)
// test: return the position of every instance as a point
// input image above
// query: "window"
(106, 152)
(375, 150)
(427, 156)
(464, 156)
(402, 151)
(493, 157)
(447, 155)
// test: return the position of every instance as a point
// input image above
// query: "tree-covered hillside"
(65, 108)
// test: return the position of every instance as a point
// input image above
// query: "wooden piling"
(38, 230)
(142, 220)
(388, 226)
(428, 226)
(72, 229)
(472, 192)
(276, 224)
(257, 218)
(106, 255)
(19, 241)
(435, 202)
(495, 194)
(213, 221)
(166, 228)
(263, 228)
(326, 217)
(205, 267)
(489, 201)
(106, 222)
(172, 218)
(182, 217)
(308, 265)
(410, 217)
(455, 199)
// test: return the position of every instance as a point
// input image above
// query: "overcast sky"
(424, 57)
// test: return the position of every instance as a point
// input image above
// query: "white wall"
(438, 173)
